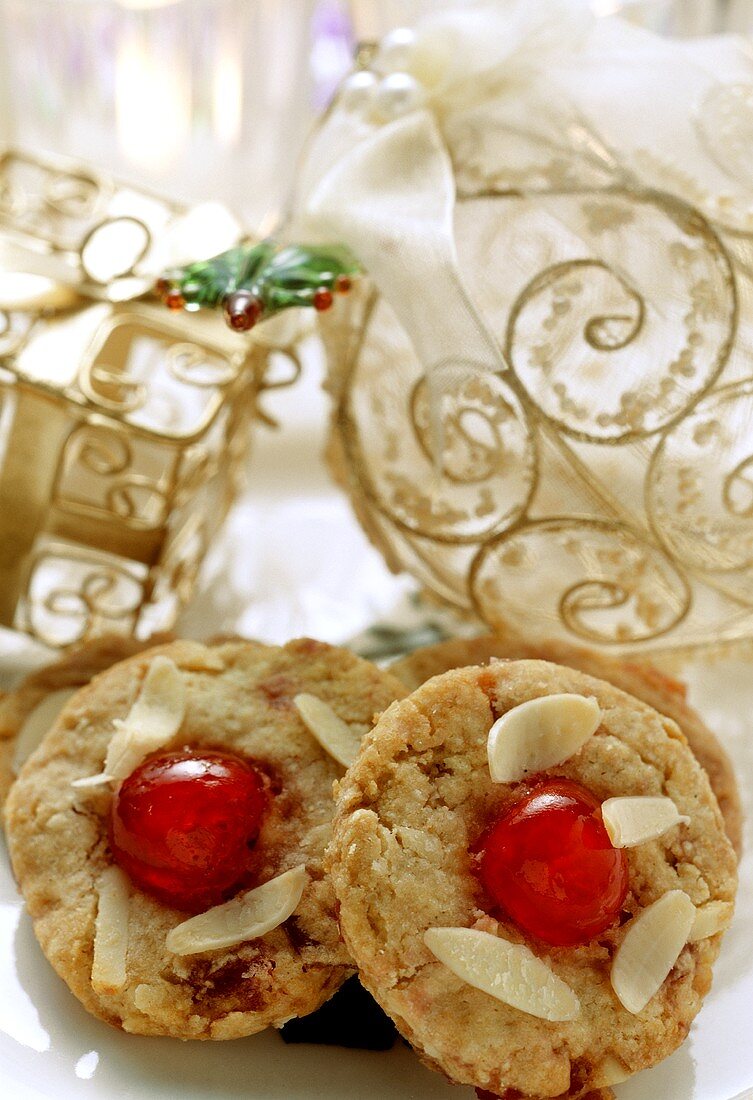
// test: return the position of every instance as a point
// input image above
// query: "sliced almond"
(336, 737)
(508, 971)
(41, 719)
(710, 919)
(196, 657)
(153, 720)
(246, 917)
(111, 932)
(651, 948)
(635, 820)
(610, 1072)
(540, 734)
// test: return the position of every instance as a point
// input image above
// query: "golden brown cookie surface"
(239, 697)
(35, 703)
(641, 680)
(409, 813)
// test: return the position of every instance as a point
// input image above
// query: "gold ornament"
(601, 489)
(124, 431)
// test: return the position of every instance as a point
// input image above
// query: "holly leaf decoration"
(251, 282)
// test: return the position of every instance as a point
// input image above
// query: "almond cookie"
(645, 682)
(168, 835)
(27, 712)
(533, 878)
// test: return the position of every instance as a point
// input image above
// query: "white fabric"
(618, 99)
(391, 199)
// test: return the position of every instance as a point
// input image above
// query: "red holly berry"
(182, 824)
(322, 299)
(242, 310)
(549, 864)
(174, 300)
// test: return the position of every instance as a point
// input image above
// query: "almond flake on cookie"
(650, 949)
(153, 721)
(41, 719)
(611, 1072)
(246, 917)
(508, 971)
(108, 974)
(336, 737)
(635, 820)
(540, 734)
(710, 919)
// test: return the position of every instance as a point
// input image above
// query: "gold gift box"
(124, 432)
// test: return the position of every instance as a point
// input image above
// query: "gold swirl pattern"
(604, 582)
(53, 201)
(484, 477)
(111, 388)
(194, 366)
(125, 431)
(602, 490)
(14, 329)
(198, 465)
(73, 595)
(71, 194)
(594, 348)
(98, 475)
(737, 493)
(104, 451)
(173, 577)
(700, 488)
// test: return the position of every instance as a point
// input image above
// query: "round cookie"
(645, 682)
(409, 812)
(45, 692)
(238, 698)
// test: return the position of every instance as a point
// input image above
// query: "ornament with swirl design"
(592, 477)
(124, 432)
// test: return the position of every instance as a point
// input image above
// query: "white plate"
(313, 572)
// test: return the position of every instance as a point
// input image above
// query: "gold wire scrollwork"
(484, 427)
(72, 194)
(191, 365)
(142, 425)
(15, 327)
(699, 491)
(620, 313)
(131, 257)
(630, 369)
(118, 490)
(112, 389)
(603, 581)
(81, 595)
(48, 198)
(176, 572)
(737, 490)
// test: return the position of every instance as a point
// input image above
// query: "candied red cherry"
(549, 864)
(182, 824)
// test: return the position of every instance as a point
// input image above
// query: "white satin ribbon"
(391, 199)
(387, 189)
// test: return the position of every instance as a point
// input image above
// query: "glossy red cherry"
(549, 864)
(182, 824)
